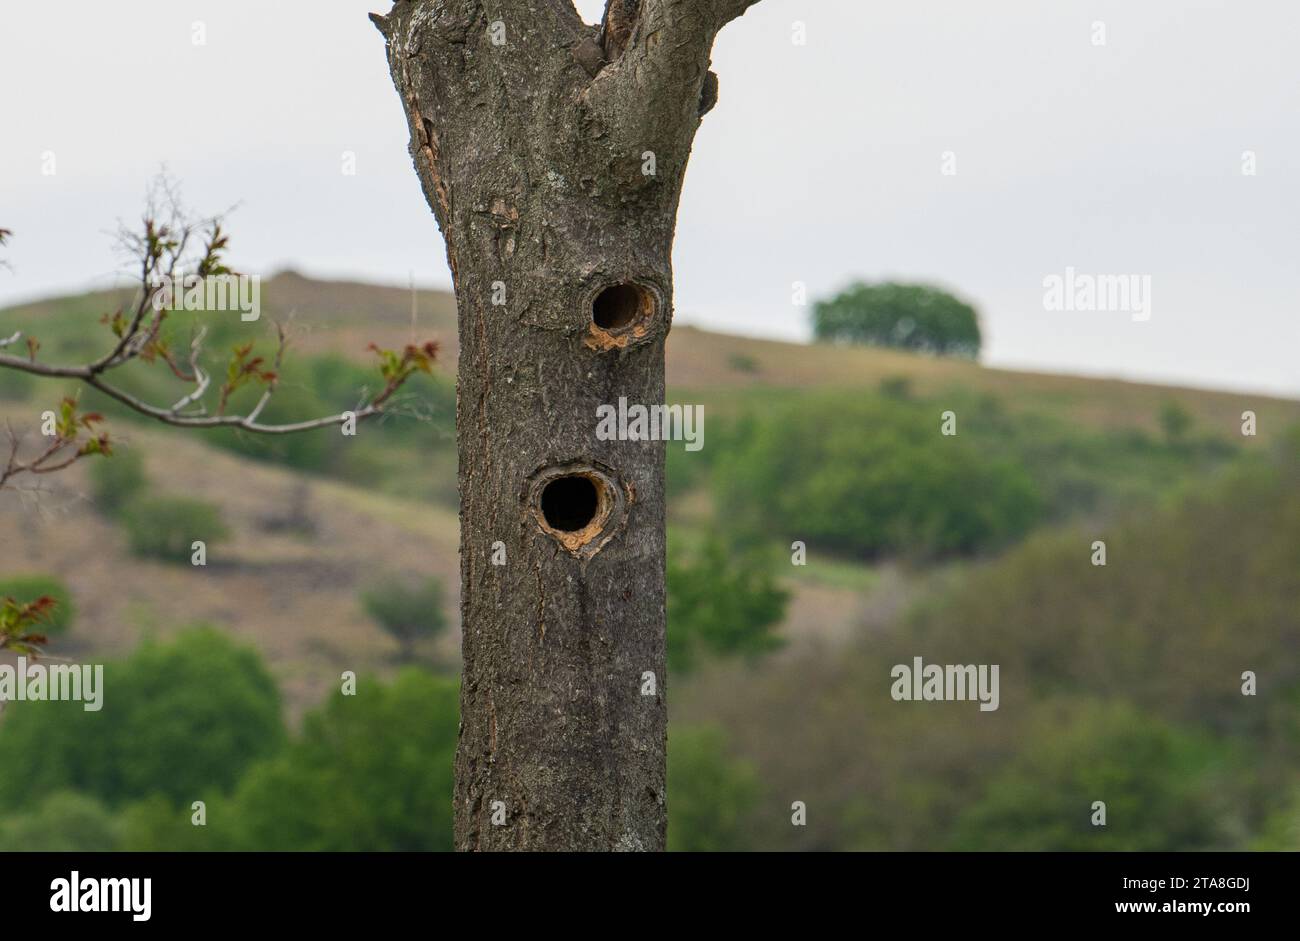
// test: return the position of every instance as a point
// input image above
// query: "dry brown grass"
(295, 599)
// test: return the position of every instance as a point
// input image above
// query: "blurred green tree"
(371, 772)
(721, 603)
(158, 824)
(409, 613)
(181, 719)
(711, 795)
(1156, 781)
(64, 822)
(1175, 422)
(165, 528)
(905, 316)
(870, 478)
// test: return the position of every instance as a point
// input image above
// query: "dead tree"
(552, 154)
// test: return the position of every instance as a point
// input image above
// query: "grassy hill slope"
(394, 510)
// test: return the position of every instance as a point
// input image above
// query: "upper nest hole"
(620, 305)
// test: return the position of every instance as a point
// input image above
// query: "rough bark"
(532, 134)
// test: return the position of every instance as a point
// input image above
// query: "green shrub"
(158, 824)
(743, 362)
(1209, 581)
(720, 603)
(871, 478)
(182, 719)
(116, 481)
(371, 772)
(711, 796)
(64, 822)
(1156, 782)
(165, 528)
(1281, 831)
(896, 387)
(408, 613)
(1175, 422)
(25, 589)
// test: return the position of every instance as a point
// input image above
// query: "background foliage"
(912, 317)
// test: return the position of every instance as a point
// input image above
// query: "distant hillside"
(345, 316)
(388, 505)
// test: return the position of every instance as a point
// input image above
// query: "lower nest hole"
(569, 504)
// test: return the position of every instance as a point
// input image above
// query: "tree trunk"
(552, 154)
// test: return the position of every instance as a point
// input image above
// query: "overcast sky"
(823, 162)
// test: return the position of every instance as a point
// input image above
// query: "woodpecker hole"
(621, 313)
(618, 305)
(569, 504)
(578, 505)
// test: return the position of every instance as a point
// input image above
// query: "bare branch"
(11, 464)
(162, 254)
(168, 416)
(245, 423)
(271, 386)
(201, 380)
(66, 437)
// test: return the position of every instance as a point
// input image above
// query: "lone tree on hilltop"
(905, 316)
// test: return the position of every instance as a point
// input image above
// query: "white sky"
(821, 162)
